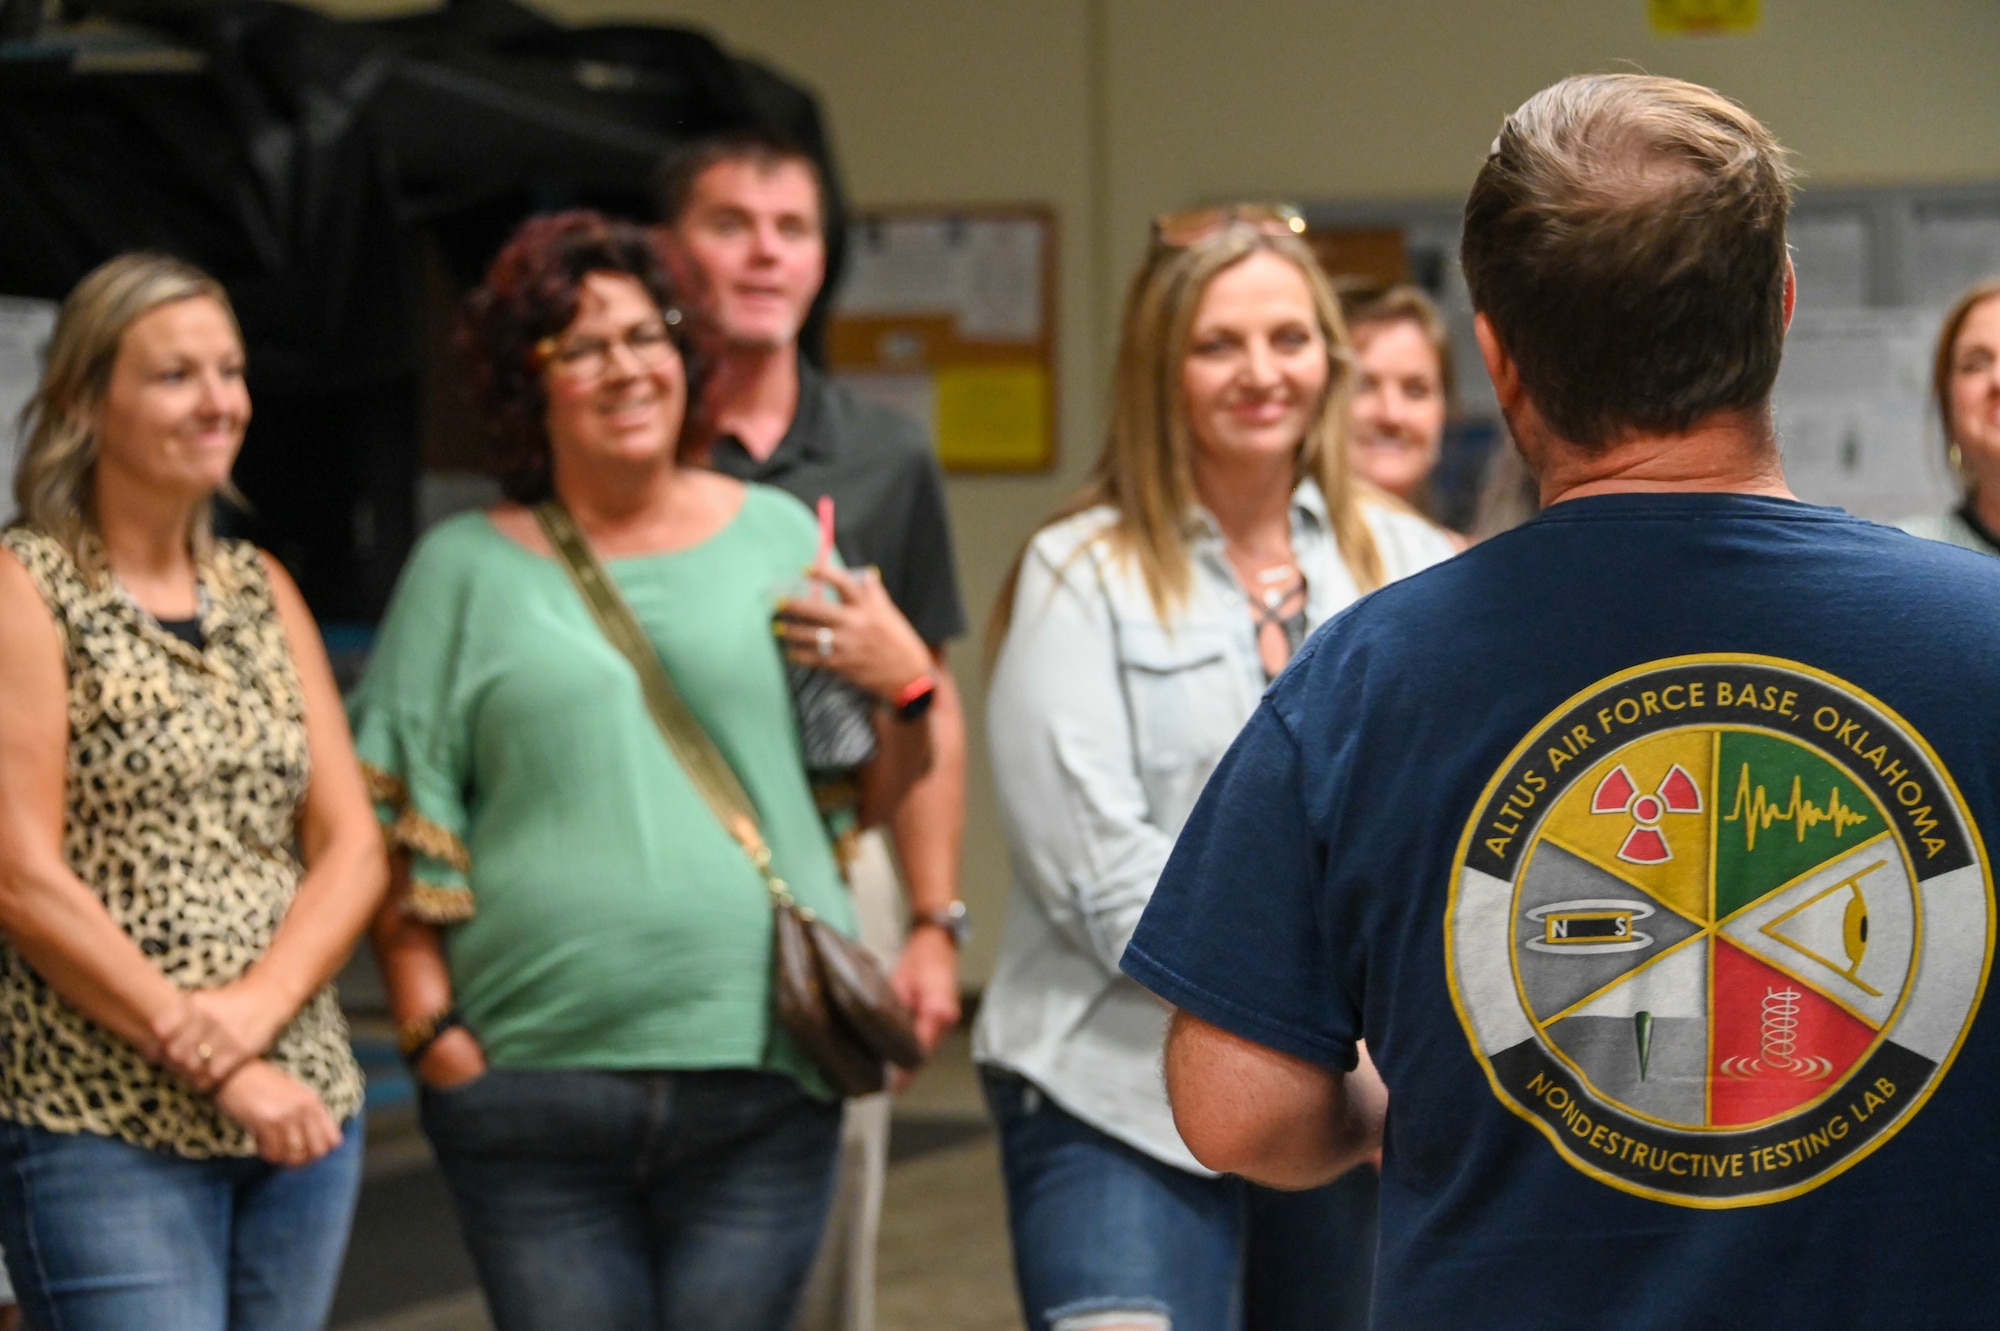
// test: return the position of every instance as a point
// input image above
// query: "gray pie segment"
(1675, 1088)
(1551, 981)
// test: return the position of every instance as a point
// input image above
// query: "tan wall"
(1113, 110)
(1357, 100)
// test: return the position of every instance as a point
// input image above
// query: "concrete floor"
(944, 1258)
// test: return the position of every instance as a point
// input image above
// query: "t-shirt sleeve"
(928, 590)
(1233, 934)
(411, 737)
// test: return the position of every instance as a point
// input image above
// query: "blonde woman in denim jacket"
(1134, 639)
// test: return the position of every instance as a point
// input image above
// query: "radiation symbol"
(1718, 928)
(1646, 843)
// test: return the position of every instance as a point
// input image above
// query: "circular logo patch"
(1718, 927)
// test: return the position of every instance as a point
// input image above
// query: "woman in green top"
(579, 955)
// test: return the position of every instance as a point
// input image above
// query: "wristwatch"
(954, 919)
(914, 698)
(415, 1036)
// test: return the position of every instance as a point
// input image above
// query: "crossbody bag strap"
(691, 745)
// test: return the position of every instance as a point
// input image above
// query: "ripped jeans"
(1106, 1236)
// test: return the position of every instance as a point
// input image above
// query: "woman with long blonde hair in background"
(1134, 639)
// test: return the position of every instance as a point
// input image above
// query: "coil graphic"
(1778, 1042)
(1781, 1028)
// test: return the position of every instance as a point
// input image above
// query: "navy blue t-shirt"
(1641, 845)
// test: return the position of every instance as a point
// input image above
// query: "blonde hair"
(53, 478)
(1145, 471)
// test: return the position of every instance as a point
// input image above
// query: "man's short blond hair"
(1626, 240)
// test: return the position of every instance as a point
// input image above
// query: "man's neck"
(756, 396)
(1729, 453)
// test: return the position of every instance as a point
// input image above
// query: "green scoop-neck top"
(596, 914)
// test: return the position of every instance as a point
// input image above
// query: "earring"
(1955, 458)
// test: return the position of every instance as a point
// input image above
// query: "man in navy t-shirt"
(1640, 845)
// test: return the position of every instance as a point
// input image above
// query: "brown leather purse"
(826, 990)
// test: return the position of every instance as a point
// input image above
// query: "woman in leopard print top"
(187, 851)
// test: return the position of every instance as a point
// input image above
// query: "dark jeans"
(102, 1235)
(1310, 1256)
(1101, 1228)
(637, 1201)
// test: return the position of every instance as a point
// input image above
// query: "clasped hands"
(214, 1040)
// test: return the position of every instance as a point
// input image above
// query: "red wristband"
(912, 691)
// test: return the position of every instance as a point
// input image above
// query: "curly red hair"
(531, 292)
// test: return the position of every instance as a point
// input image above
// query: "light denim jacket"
(1951, 528)
(1105, 724)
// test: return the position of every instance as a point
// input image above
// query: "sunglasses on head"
(1180, 229)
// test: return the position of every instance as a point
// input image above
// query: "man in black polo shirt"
(748, 211)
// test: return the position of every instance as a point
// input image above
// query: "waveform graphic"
(1779, 1044)
(1753, 808)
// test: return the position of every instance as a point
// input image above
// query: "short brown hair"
(1947, 342)
(1375, 307)
(532, 292)
(1626, 240)
(674, 182)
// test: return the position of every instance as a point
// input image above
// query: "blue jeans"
(1101, 1228)
(637, 1201)
(102, 1235)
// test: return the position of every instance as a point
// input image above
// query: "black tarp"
(311, 164)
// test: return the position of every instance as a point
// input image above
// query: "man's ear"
(1500, 367)
(1791, 291)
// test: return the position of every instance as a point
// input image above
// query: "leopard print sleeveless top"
(187, 770)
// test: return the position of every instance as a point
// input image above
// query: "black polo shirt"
(887, 488)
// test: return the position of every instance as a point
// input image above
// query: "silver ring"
(823, 640)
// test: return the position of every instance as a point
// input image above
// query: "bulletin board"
(949, 314)
(25, 327)
(1877, 268)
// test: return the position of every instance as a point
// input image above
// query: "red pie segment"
(1776, 1044)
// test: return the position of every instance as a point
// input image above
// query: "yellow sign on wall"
(993, 417)
(1698, 18)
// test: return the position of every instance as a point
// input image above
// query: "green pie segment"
(1780, 811)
